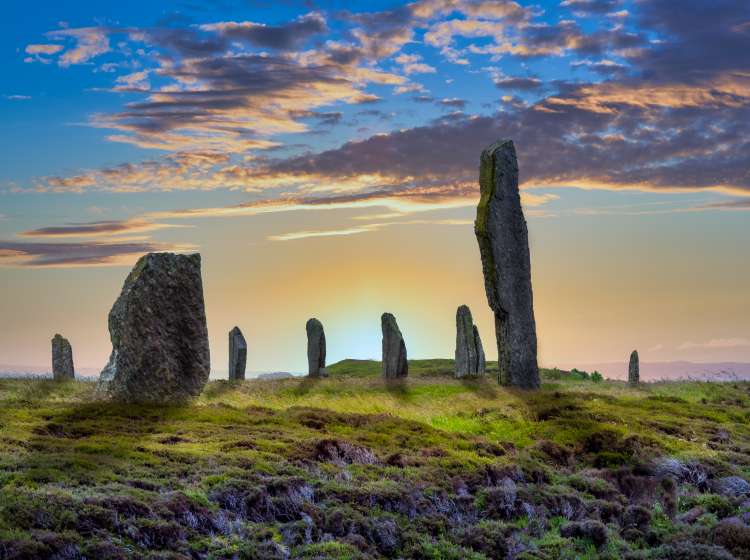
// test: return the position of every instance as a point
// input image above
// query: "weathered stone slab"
(237, 355)
(394, 349)
(316, 349)
(634, 369)
(503, 239)
(469, 352)
(159, 336)
(62, 359)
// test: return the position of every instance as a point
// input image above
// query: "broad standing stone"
(158, 330)
(469, 351)
(503, 239)
(394, 349)
(237, 355)
(634, 369)
(62, 359)
(316, 348)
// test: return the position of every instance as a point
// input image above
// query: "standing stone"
(158, 330)
(237, 355)
(394, 349)
(316, 348)
(503, 239)
(634, 369)
(469, 351)
(481, 361)
(62, 359)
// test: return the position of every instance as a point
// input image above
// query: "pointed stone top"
(634, 354)
(313, 322)
(463, 310)
(388, 319)
(503, 143)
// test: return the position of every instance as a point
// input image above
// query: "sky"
(323, 159)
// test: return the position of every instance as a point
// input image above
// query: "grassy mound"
(352, 467)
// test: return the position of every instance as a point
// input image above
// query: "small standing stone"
(62, 359)
(316, 349)
(237, 355)
(469, 352)
(394, 349)
(503, 240)
(481, 360)
(634, 369)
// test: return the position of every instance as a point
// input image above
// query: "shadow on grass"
(217, 388)
(91, 443)
(398, 388)
(482, 386)
(305, 385)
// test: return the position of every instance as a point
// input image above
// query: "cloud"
(740, 204)
(282, 37)
(366, 228)
(586, 7)
(233, 103)
(452, 102)
(69, 255)
(89, 42)
(412, 64)
(518, 83)
(43, 49)
(41, 52)
(669, 109)
(179, 170)
(97, 229)
(715, 343)
(17, 97)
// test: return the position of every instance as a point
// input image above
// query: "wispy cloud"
(17, 97)
(88, 42)
(97, 229)
(716, 343)
(72, 255)
(366, 228)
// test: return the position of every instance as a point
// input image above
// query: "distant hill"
(275, 375)
(653, 371)
(650, 371)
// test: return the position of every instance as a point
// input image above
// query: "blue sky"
(284, 130)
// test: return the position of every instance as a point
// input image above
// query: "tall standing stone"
(62, 359)
(634, 369)
(503, 239)
(237, 355)
(394, 349)
(159, 335)
(469, 352)
(316, 348)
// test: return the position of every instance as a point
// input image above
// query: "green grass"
(62, 452)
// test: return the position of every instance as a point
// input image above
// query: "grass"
(247, 461)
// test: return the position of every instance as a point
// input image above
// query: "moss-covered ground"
(352, 467)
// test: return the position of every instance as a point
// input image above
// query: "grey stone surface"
(481, 360)
(237, 355)
(503, 239)
(316, 348)
(394, 349)
(158, 329)
(469, 352)
(634, 369)
(731, 486)
(62, 359)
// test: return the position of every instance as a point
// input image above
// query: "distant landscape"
(650, 371)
